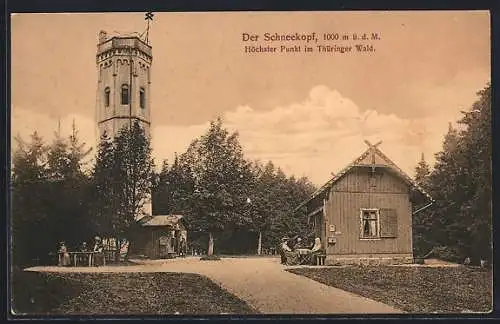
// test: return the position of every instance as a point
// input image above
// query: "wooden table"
(304, 256)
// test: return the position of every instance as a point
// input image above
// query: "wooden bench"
(76, 256)
(319, 259)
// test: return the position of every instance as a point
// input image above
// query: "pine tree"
(161, 191)
(105, 197)
(477, 150)
(422, 173)
(30, 217)
(68, 187)
(422, 221)
(461, 185)
(133, 176)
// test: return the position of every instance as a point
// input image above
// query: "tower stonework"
(123, 83)
(123, 88)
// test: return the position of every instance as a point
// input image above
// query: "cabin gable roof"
(372, 157)
(162, 220)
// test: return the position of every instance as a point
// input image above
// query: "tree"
(477, 151)
(132, 176)
(461, 185)
(105, 198)
(422, 221)
(422, 173)
(221, 182)
(276, 197)
(29, 211)
(173, 188)
(68, 187)
(161, 191)
(263, 210)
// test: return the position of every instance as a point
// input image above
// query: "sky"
(307, 112)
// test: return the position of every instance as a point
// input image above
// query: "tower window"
(142, 98)
(106, 97)
(125, 94)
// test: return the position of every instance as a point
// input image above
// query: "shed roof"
(161, 220)
(371, 157)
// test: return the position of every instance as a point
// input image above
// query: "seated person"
(317, 246)
(298, 244)
(290, 250)
(84, 257)
(292, 258)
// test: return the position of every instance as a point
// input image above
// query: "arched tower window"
(106, 97)
(142, 98)
(125, 94)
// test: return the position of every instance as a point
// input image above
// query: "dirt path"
(262, 283)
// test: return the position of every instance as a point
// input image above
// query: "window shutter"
(388, 222)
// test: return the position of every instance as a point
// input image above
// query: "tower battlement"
(125, 44)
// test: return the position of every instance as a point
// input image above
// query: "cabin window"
(370, 225)
(125, 94)
(106, 97)
(142, 98)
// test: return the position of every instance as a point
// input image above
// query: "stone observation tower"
(123, 86)
(123, 83)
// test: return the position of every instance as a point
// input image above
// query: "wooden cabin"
(363, 215)
(160, 236)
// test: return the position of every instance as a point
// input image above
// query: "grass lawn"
(121, 294)
(413, 289)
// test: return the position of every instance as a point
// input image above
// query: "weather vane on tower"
(149, 17)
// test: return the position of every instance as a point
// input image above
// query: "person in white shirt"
(284, 248)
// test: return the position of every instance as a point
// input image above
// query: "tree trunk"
(210, 244)
(117, 249)
(259, 244)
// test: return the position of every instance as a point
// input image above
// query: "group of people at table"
(84, 255)
(294, 252)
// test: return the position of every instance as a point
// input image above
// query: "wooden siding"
(357, 190)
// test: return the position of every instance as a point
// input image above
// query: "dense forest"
(231, 204)
(241, 205)
(222, 195)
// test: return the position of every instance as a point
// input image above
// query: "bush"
(210, 258)
(448, 253)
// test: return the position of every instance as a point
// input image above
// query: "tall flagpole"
(149, 17)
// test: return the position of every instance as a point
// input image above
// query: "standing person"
(183, 247)
(64, 259)
(98, 252)
(124, 249)
(283, 249)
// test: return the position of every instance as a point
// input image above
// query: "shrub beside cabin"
(364, 213)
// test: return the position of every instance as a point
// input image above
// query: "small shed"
(364, 213)
(161, 236)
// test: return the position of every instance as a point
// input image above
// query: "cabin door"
(164, 243)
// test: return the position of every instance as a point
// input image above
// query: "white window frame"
(377, 212)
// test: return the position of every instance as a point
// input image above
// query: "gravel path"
(262, 283)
